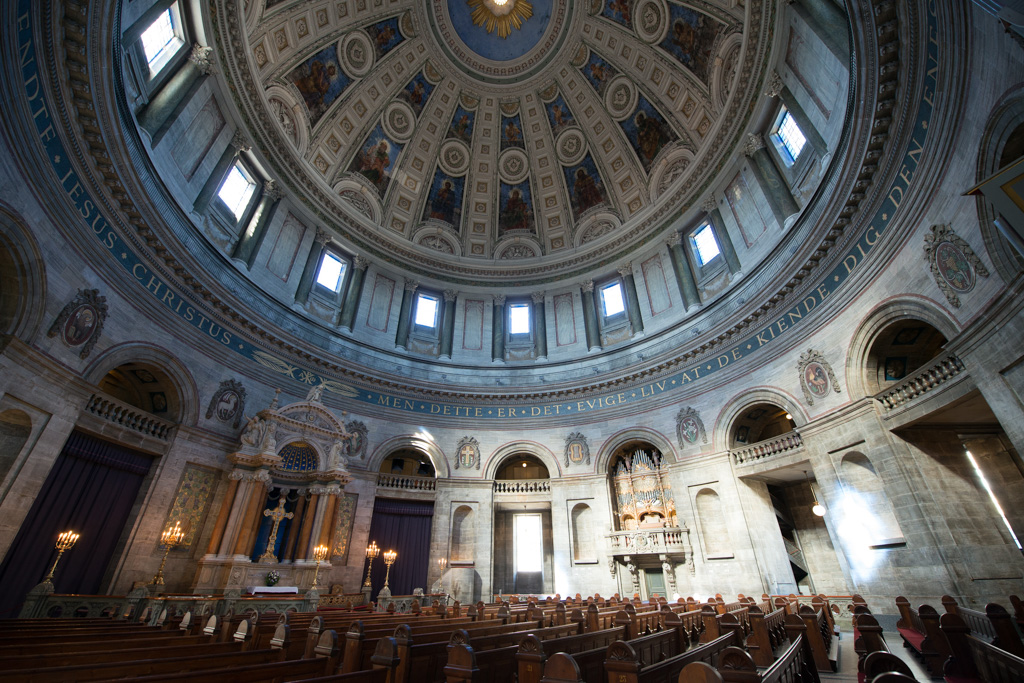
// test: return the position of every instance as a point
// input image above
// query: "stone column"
(302, 546)
(632, 300)
(155, 119)
(829, 23)
(405, 315)
(237, 146)
(330, 509)
(590, 316)
(498, 329)
(288, 553)
(252, 239)
(355, 291)
(222, 518)
(540, 326)
(684, 276)
(320, 242)
(448, 323)
(250, 521)
(776, 88)
(775, 188)
(722, 233)
(249, 493)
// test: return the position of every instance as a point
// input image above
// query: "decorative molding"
(774, 85)
(577, 450)
(202, 58)
(80, 322)
(537, 297)
(228, 403)
(816, 376)
(689, 427)
(754, 142)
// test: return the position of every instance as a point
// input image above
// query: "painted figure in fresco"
(650, 134)
(384, 36)
(954, 266)
(461, 127)
(515, 215)
(159, 403)
(442, 205)
(587, 194)
(600, 72)
(80, 326)
(512, 133)
(373, 164)
(622, 8)
(559, 114)
(817, 380)
(895, 368)
(316, 83)
(416, 95)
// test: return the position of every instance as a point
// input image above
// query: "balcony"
(920, 383)
(109, 409)
(406, 483)
(522, 486)
(787, 443)
(663, 541)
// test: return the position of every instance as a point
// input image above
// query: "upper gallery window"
(162, 40)
(237, 189)
(331, 272)
(612, 302)
(705, 246)
(427, 308)
(790, 138)
(519, 318)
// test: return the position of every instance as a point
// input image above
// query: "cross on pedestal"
(277, 514)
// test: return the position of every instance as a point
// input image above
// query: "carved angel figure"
(253, 432)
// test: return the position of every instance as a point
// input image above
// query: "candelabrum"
(319, 554)
(389, 559)
(171, 537)
(65, 541)
(442, 564)
(372, 551)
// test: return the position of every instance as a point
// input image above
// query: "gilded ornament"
(500, 15)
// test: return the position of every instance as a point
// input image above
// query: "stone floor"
(848, 658)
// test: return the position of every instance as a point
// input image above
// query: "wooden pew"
(767, 632)
(974, 659)
(824, 648)
(111, 652)
(868, 639)
(624, 665)
(736, 666)
(878, 663)
(995, 626)
(97, 642)
(1018, 611)
(533, 653)
(144, 667)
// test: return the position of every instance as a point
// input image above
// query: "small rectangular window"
(529, 549)
(790, 136)
(237, 190)
(705, 246)
(331, 272)
(426, 311)
(611, 299)
(519, 319)
(162, 40)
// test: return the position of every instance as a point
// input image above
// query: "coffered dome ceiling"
(432, 142)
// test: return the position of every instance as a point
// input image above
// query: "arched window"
(583, 533)
(713, 526)
(463, 538)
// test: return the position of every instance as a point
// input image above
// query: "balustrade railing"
(406, 483)
(786, 443)
(119, 413)
(921, 382)
(523, 486)
(641, 541)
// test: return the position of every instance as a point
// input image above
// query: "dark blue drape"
(91, 488)
(403, 526)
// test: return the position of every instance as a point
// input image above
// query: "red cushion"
(913, 638)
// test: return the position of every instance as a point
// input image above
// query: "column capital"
(201, 58)
(674, 239)
(774, 85)
(272, 191)
(499, 299)
(239, 143)
(709, 205)
(361, 263)
(451, 294)
(625, 269)
(537, 297)
(322, 237)
(587, 286)
(754, 142)
(411, 285)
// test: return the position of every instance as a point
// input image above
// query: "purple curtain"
(402, 526)
(91, 488)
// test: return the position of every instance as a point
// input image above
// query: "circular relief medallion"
(513, 165)
(80, 325)
(621, 97)
(650, 20)
(571, 146)
(399, 121)
(816, 379)
(454, 157)
(954, 267)
(357, 53)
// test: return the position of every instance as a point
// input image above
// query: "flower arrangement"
(273, 577)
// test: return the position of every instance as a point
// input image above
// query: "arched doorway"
(523, 540)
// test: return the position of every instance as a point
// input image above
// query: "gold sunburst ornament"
(503, 15)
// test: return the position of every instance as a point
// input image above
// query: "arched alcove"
(522, 466)
(408, 462)
(144, 386)
(583, 546)
(463, 538)
(759, 422)
(714, 530)
(22, 277)
(1002, 143)
(131, 372)
(416, 447)
(863, 497)
(900, 348)
(15, 428)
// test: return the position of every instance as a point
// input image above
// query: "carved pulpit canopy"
(303, 440)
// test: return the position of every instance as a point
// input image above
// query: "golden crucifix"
(277, 514)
